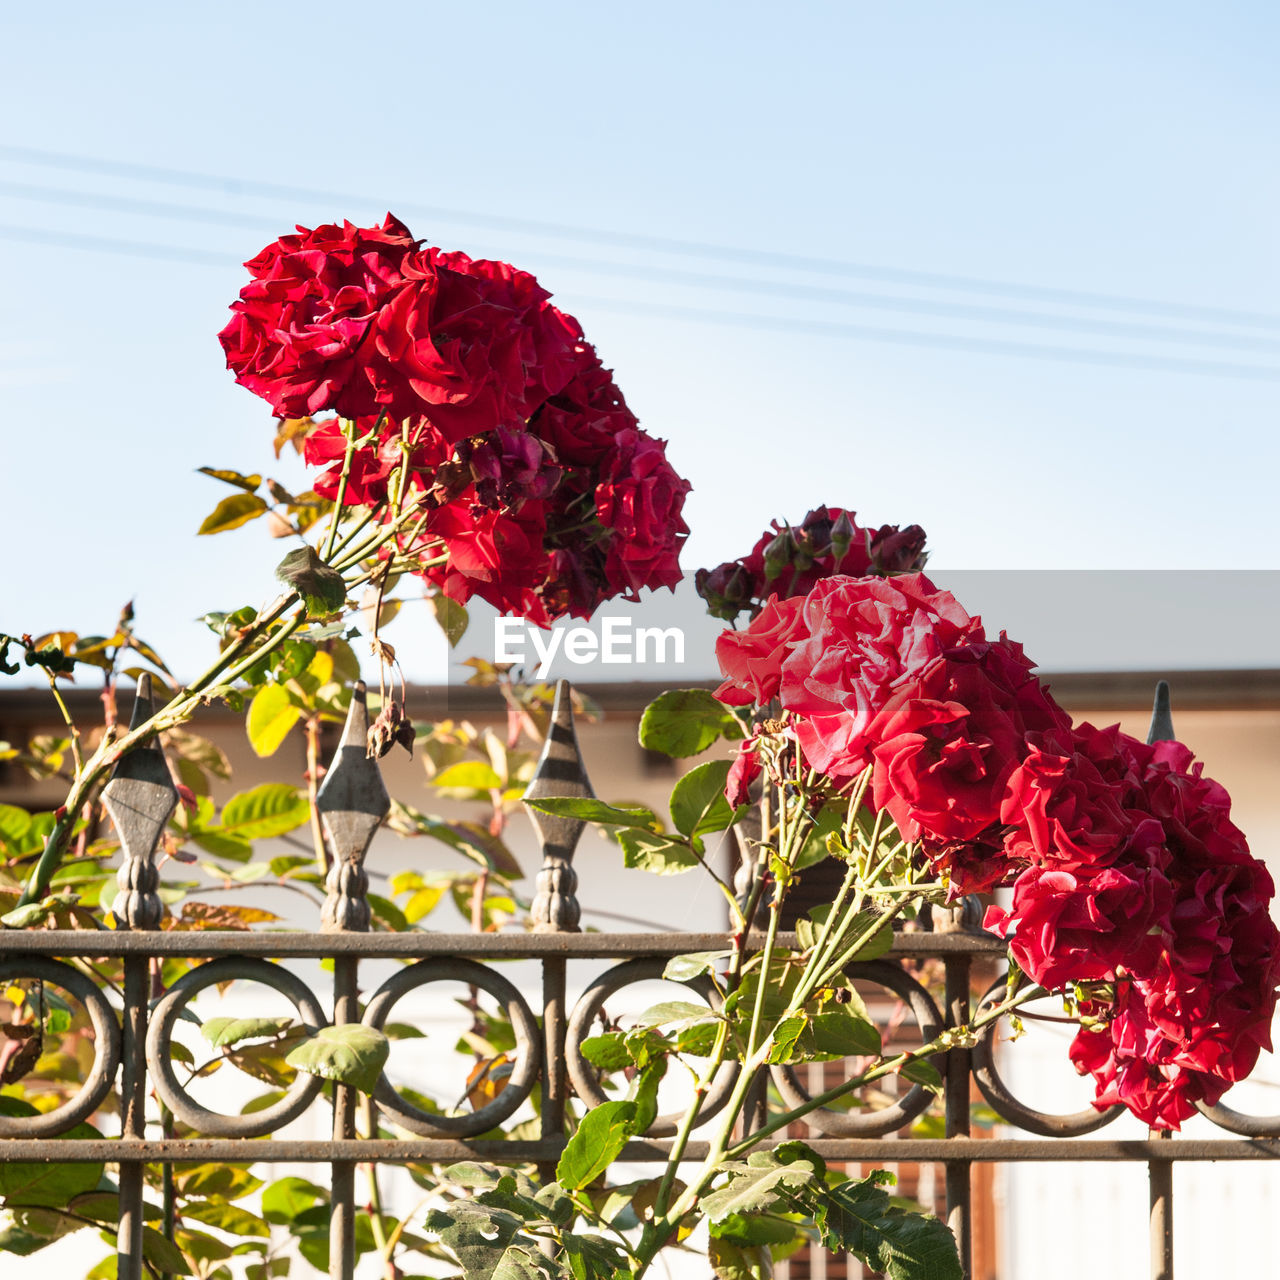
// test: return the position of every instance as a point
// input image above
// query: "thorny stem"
(66, 716)
(348, 430)
(313, 788)
(887, 1066)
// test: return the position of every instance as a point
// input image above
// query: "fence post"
(140, 798)
(560, 772)
(956, 1101)
(352, 802)
(1160, 1172)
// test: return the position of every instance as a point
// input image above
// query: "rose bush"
(1127, 877)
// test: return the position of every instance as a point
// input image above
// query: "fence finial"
(1161, 716)
(141, 799)
(560, 772)
(352, 801)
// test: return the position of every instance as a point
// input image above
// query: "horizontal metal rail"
(512, 945)
(439, 1150)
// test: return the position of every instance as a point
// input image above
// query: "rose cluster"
(790, 560)
(535, 486)
(1127, 874)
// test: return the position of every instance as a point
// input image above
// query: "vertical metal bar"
(1160, 1219)
(342, 1212)
(133, 1103)
(555, 1087)
(1160, 1172)
(956, 1098)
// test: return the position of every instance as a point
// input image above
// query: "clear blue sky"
(1120, 151)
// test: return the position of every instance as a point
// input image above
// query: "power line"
(941, 341)
(101, 244)
(898, 337)
(736, 284)
(660, 244)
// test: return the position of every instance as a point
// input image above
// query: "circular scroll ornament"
(1245, 1125)
(585, 1012)
(871, 1124)
(1008, 1107)
(106, 1047)
(528, 1047)
(164, 1017)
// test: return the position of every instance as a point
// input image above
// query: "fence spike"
(560, 772)
(352, 801)
(1161, 716)
(140, 798)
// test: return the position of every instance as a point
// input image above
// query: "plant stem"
(335, 517)
(886, 1067)
(313, 788)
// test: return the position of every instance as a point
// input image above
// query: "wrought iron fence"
(133, 1044)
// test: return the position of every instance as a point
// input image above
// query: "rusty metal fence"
(133, 1044)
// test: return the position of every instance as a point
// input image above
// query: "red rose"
(638, 503)
(583, 420)
(498, 557)
(472, 345)
(751, 660)
(298, 334)
(1063, 812)
(865, 637)
(1086, 927)
(947, 743)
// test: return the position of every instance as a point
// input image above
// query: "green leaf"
(248, 483)
(471, 839)
(649, 851)
(468, 775)
(486, 1241)
(698, 1039)
(40, 1183)
(227, 1031)
(731, 1261)
(104, 1206)
(451, 616)
(786, 1038)
(670, 1011)
(698, 806)
(271, 716)
(232, 512)
(25, 1231)
(872, 934)
(919, 1071)
(36, 912)
(320, 586)
(644, 1093)
(759, 1228)
(164, 1254)
(606, 815)
(859, 1217)
(591, 1257)
(272, 809)
(226, 1217)
(596, 1144)
(14, 825)
(682, 968)
(769, 1178)
(285, 1199)
(840, 1034)
(351, 1054)
(226, 1181)
(609, 1052)
(685, 722)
